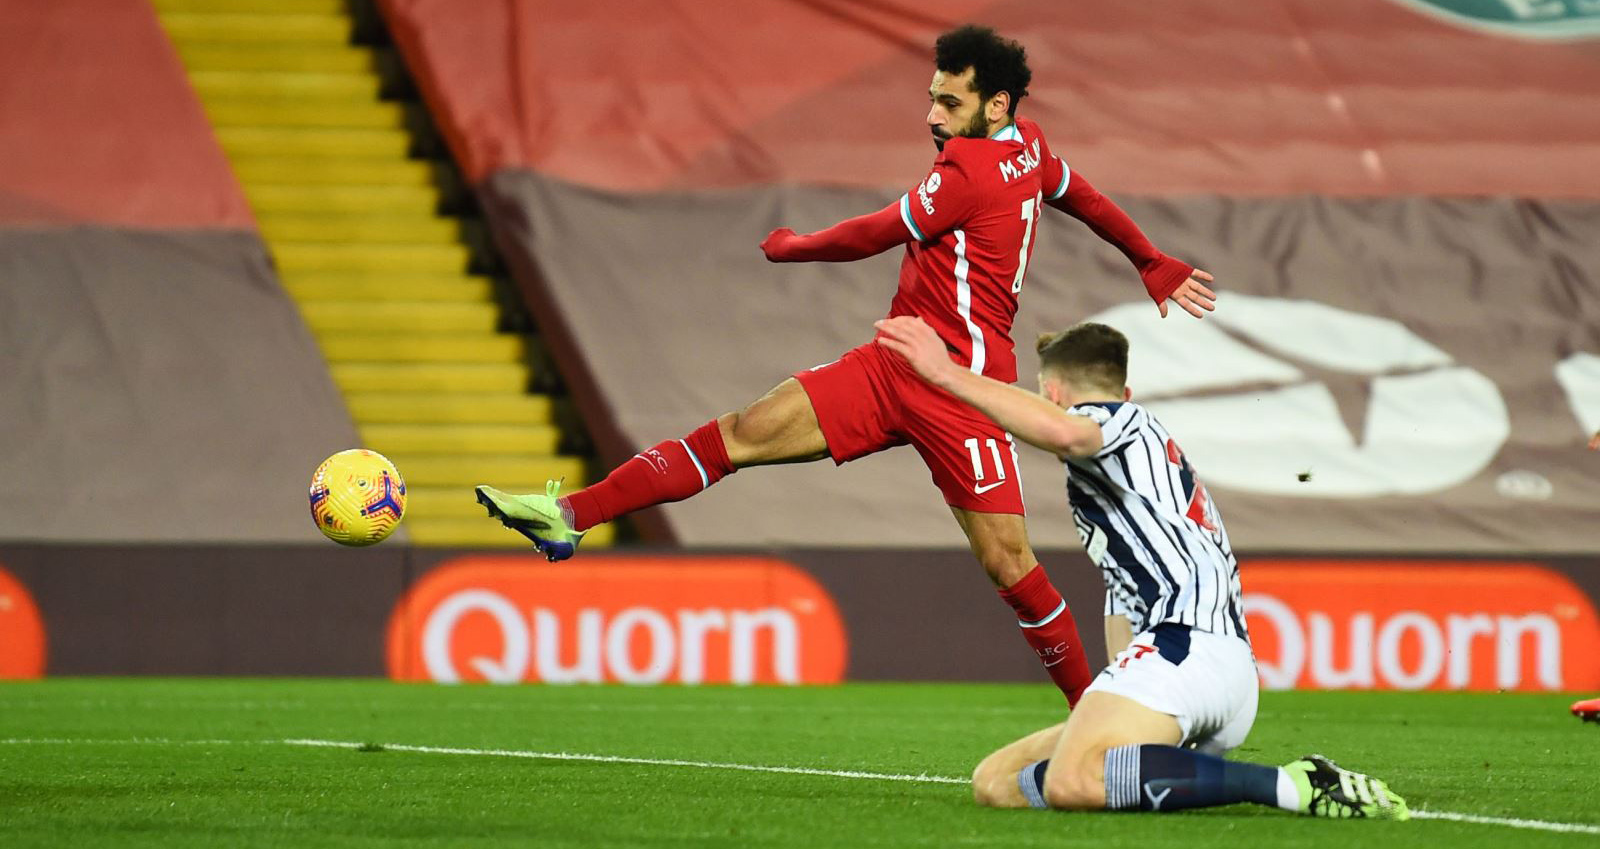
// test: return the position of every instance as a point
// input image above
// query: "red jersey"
(972, 223)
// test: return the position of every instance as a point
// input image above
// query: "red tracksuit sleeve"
(849, 240)
(940, 203)
(1162, 274)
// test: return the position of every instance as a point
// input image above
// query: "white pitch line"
(1510, 822)
(1573, 828)
(922, 778)
(130, 741)
(617, 759)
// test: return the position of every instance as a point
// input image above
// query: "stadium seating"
(381, 277)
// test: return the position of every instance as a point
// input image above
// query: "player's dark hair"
(999, 64)
(1089, 354)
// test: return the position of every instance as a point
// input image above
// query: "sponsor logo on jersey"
(1419, 625)
(928, 187)
(634, 620)
(22, 638)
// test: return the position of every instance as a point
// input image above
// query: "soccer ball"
(357, 497)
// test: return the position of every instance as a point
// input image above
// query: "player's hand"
(1594, 442)
(912, 338)
(776, 244)
(1193, 295)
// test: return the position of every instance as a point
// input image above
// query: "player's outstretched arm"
(1028, 416)
(849, 240)
(1165, 278)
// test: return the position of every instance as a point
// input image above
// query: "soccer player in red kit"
(968, 228)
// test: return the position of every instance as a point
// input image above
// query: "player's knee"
(1073, 788)
(1006, 561)
(728, 425)
(744, 435)
(990, 782)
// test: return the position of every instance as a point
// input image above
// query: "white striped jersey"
(1146, 521)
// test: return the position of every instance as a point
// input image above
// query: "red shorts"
(870, 399)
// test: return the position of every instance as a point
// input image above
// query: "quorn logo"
(1419, 626)
(634, 620)
(22, 642)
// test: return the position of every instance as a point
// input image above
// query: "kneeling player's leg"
(1124, 756)
(1074, 777)
(781, 427)
(1124, 747)
(1000, 542)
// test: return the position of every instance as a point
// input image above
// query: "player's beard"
(977, 128)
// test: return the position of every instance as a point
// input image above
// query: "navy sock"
(1167, 778)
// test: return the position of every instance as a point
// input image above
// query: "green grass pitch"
(177, 763)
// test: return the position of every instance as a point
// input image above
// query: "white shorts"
(1206, 681)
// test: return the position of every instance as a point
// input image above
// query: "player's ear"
(1050, 388)
(997, 107)
(1127, 393)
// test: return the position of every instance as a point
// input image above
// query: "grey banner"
(156, 387)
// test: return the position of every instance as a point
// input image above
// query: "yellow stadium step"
(334, 286)
(349, 347)
(487, 533)
(418, 407)
(299, 170)
(499, 440)
(206, 28)
(401, 316)
(276, 58)
(516, 473)
(430, 377)
(381, 280)
(321, 256)
(355, 114)
(300, 87)
(368, 199)
(412, 230)
(253, 7)
(313, 142)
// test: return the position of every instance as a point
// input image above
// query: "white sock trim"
(1288, 794)
(1060, 608)
(704, 481)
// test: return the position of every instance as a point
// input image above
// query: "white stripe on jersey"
(964, 303)
(1131, 504)
(1066, 177)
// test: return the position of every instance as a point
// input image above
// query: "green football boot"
(537, 517)
(1329, 790)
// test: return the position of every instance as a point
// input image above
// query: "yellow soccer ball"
(357, 497)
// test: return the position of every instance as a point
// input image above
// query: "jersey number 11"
(1030, 214)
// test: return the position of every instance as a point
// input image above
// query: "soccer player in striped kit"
(1180, 689)
(967, 231)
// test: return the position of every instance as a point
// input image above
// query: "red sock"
(671, 471)
(1048, 627)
